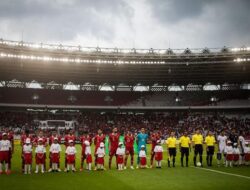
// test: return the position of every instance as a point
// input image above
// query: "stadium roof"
(113, 66)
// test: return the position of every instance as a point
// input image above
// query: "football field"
(165, 178)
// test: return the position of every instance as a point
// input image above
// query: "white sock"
(89, 166)
(37, 168)
(67, 166)
(6, 167)
(29, 167)
(25, 168)
(42, 167)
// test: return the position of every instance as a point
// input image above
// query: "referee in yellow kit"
(197, 140)
(171, 145)
(210, 142)
(184, 144)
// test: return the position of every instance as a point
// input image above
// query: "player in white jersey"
(241, 143)
(247, 153)
(100, 153)
(5, 148)
(229, 154)
(88, 155)
(55, 150)
(222, 139)
(40, 155)
(27, 155)
(120, 153)
(71, 156)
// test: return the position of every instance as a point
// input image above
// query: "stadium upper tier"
(62, 64)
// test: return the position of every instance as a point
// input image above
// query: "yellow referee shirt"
(184, 141)
(171, 142)
(197, 139)
(210, 140)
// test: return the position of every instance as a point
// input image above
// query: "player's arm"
(180, 144)
(241, 146)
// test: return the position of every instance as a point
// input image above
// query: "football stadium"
(85, 117)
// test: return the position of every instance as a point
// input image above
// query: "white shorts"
(222, 149)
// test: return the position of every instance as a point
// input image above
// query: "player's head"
(142, 130)
(27, 132)
(40, 141)
(185, 133)
(99, 131)
(210, 133)
(71, 132)
(40, 134)
(115, 130)
(54, 133)
(71, 143)
(198, 131)
(84, 133)
(172, 134)
(101, 145)
(5, 136)
(55, 140)
(27, 141)
(223, 133)
(86, 143)
(129, 132)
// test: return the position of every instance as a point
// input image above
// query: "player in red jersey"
(155, 136)
(83, 138)
(40, 136)
(98, 139)
(70, 136)
(129, 140)
(26, 135)
(53, 136)
(51, 140)
(113, 144)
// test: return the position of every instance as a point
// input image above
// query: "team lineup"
(232, 150)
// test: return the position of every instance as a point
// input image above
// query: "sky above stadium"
(128, 23)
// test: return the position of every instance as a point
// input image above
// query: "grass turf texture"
(165, 178)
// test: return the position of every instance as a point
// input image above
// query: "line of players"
(232, 154)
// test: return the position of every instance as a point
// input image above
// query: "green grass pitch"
(165, 178)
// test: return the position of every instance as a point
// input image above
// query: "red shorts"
(100, 160)
(88, 159)
(247, 157)
(143, 161)
(55, 158)
(229, 157)
(40, 158)
(112, 151)
(70, 159)
(120, 159)
(27, 158)
(236, 157)
(158, 156)
(5, 156)
(129, 150)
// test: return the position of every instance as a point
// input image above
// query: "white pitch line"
(220, 172)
